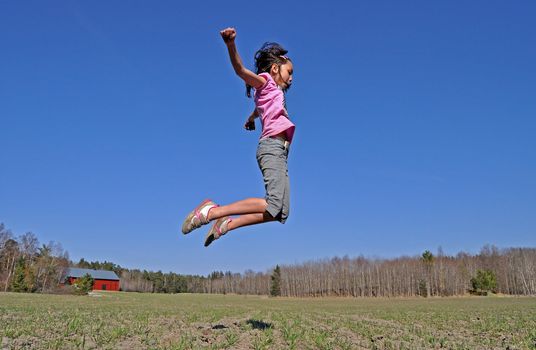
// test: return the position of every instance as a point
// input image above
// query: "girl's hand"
(250, 124)
(228, 35)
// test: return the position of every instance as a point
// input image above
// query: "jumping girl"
(272, 79)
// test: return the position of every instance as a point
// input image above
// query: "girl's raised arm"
(248, 76)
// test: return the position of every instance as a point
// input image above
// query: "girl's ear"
(274, 69)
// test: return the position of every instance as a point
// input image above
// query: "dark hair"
(265, 57)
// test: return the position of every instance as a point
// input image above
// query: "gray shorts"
(272, 159)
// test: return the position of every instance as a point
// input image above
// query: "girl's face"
(283, 75)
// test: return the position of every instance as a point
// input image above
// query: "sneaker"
(220, 227)
(198, 217)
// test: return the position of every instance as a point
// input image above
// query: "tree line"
(27, 266)
(513, 270)
(135, 280)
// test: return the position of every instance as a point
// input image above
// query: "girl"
(273, 77)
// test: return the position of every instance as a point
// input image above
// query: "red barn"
(103, 280)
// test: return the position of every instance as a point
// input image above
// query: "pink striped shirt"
(270, 104)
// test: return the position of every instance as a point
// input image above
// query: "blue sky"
(415, 128)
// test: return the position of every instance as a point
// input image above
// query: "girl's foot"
(198, 217)
(220, 227)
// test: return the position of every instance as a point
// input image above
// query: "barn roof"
(96, 274)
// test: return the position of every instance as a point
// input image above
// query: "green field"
(193, 321)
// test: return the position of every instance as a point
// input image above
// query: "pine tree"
(275, 286)
(19, 279)
(484, 282)
(84, 284)
(428, 260)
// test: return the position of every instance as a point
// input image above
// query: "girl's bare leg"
(252, 211)
(245, 206)
(249, 219)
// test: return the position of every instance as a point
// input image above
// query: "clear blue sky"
(416, 126)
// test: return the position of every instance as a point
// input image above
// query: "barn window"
(103, 287)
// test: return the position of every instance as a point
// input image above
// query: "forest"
(26, 265)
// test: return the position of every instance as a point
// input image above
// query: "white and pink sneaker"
(198, 217)
(220, 227)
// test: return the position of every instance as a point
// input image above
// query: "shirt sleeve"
(267, 77)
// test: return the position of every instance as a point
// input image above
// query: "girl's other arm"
(248, 76)
(250, 123)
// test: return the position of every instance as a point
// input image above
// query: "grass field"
(192, 321)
